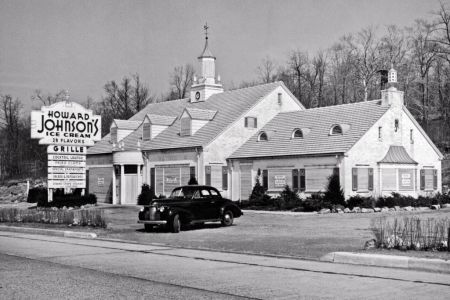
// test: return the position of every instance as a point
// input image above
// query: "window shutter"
(256, 123)
(152, 177)
(265, 180)
(422, 179)
(295, 179)
(370, 179)
(225, 178)
(302, 180)
(208, 175)
(435, 180)
(354, 179)
(336, 173)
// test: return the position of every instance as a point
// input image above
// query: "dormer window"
(146, 132)
(262, 137)
(113, 135)
(251, 122)
(336, 130)
(185, 129)
(297, 134)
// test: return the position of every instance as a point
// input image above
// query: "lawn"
(305, 236)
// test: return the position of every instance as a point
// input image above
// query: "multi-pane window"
(146, 132)
(185, 127)
(362, 179)
(428, 179)
(336, 130)
(297, 134)
(113, 135)
(251, 122)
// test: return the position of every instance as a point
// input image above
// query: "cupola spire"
(206, 83)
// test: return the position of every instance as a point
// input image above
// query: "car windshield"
(183, 192)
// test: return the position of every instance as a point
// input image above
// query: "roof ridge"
(278, 82)
(330, 106)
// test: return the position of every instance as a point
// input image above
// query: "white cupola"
(392, 75)
(206, 84)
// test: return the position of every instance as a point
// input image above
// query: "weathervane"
(205, 27)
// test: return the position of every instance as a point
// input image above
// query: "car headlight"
(161, 209)
(142, 209)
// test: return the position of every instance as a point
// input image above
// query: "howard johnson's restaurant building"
(222, 138)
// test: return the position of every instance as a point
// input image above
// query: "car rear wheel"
(175, 225)
(227, 218)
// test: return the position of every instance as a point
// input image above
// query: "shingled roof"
(161, 120)
(126, 124)
(356, 118)
(229, 106)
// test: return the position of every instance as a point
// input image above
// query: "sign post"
(68, 128)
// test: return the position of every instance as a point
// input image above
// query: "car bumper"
(160, 222)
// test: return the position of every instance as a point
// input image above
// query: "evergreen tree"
(258, 195)
(334, 193)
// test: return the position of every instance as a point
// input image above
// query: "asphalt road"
(44, 267)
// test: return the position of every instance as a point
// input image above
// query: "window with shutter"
(302, 180)
(251, 122)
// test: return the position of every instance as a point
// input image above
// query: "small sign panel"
(66, 163)
(57, 149)
(66, 157)
(73, 170)
(61, 184)
(100, 181)
(67, 176)
(280, 181)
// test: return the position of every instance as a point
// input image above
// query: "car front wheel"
(227, 218)
(175, 225)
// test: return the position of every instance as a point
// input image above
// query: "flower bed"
(74, 217)
(411, 233)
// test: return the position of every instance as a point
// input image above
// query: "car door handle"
(212, 202)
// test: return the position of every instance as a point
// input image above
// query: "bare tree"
(48, 99)
(297, 63)
(181, 81)
(424, 53)
(442, 31)
(267, 70)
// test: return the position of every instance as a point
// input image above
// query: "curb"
(390, 261)
(286, 213)
(52, 232)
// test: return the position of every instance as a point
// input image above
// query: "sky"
(79, 45)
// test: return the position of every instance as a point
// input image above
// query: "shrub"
(363, 202)
(146, 195)
(40, 197)
(37, 195)
(288, 199)
(193, 181)
(315, 203)
(334, 193)
(258, 195)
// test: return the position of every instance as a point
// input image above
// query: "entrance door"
(130, 184)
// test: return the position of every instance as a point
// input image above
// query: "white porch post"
(114, 191)
(122, 185)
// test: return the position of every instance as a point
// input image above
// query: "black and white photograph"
(224, 149)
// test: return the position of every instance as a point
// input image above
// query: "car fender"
(234, 209)
(185, 215)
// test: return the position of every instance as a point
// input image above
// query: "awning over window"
(397, 155)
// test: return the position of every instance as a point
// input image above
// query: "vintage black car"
(191, 204)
